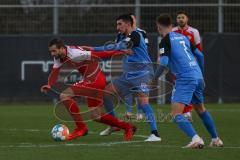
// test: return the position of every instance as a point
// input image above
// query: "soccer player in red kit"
(188, 31)
(194, 37)
(91, 86)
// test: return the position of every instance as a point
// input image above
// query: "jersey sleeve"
(165, 46)
(164, 50)
(133, 39)
(106, 54)
(78, 55)
(193, 47)
(99, 48)
(197, 39)
(53, 76)
(109, 46)
(144, 34)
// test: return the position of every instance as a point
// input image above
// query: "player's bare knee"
(177, 108)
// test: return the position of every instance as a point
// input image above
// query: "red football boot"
(77, 132)
(129, 132)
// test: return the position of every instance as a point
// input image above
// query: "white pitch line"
(135, 135)
(105, 144)
(30, 145)
(38, 130)
(23, 130)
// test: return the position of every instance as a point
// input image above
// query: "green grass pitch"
(25, 134)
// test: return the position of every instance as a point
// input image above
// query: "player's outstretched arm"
(87, 48)
(108, 54)
(162, 68)
(107, 47)
(128, 43)
(87, 55)
(52, 78)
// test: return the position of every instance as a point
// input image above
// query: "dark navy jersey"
(177, 53)
(144, 34)
(120, 36)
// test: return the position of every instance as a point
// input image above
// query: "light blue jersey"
(186, 62)
(177, 53)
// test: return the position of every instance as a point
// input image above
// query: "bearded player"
(91, 86)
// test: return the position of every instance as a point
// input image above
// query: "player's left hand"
(45, 88)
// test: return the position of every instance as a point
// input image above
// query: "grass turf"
(25, 134)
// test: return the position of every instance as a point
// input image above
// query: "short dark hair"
(125, 18)
(131, 14)
(164, 19)
(56, 41)
(182, 12)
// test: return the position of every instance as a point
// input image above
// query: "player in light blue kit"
(129, 100)
(137, 71)
(186, 62)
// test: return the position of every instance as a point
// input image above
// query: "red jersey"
(88, 68)
(191, 33)
(86, 62)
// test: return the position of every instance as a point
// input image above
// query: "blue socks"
(109, 106)
(185, 125)
(187, 128)
(149, 116)
(208, 123)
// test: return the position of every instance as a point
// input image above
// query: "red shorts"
(93, 91)
(188, 108)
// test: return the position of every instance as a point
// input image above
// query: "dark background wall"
(222, 67)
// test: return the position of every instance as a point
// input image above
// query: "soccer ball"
(60, 132)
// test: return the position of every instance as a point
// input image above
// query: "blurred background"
(26, 26)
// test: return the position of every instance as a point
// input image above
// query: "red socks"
(188, 108)
(73, 109)
(114, 122)
(107, 119)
